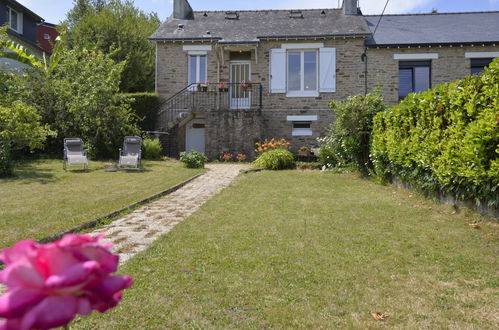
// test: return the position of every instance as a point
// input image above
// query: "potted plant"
(246, 85)
(304, 151)
(204, 87)
(223, 88)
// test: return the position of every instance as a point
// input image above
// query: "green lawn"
(314, 250)
(43, 199)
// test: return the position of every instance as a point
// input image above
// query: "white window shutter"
(278, 70)
(327, 70)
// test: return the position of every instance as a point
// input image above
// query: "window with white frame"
(303, 69)
(302, 72)
(197, 69)
(15, 20)
(46, 36)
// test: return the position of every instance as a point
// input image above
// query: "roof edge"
(439, 14)
(467, 43)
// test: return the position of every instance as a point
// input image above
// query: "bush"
(151, 148)
(444, 140)
(275, 159)
(271, 144)
(193, 159)
(145, 106)
(348, 139)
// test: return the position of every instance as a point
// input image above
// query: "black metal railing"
(208, 97)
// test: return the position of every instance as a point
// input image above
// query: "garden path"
(134, 232)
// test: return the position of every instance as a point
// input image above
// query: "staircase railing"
(208, 97)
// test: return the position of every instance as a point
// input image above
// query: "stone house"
(230, 79)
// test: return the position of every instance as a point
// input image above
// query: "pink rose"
(47, 285)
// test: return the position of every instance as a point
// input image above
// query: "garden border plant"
(444, 141)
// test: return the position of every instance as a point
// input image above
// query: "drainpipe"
(364, 59)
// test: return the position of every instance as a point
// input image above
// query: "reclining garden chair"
(74, 153)
(131, 153)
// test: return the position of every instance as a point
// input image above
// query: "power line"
(381, 17)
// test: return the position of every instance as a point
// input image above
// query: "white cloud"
(367, 6)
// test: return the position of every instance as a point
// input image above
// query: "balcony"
(209, 97)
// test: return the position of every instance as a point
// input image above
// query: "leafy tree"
(20, 127)
(120, 29)
(80, 98)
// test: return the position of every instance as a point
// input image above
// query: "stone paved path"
(134, 232)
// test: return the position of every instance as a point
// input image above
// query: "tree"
(80, 98)
(120, 29)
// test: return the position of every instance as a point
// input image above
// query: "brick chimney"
(182, 10)
(351, 7)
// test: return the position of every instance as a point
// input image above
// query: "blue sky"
(55, 10)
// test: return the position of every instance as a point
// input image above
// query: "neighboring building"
(297, 62)
(46, 34)
(22, 24)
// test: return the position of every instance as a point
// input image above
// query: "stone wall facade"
(383, 69)
(238, 130)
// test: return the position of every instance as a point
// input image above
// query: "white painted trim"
(422, 56)
(197, 48)
(481, 54)
(197, 52)
(301, 118)
(303, 46)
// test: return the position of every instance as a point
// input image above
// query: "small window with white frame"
(46, 36)
(15, 20)
(302, 128)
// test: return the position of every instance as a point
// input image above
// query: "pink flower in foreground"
(47, 285)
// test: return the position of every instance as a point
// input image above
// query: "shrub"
(145, 106)
(193, 159)
(348, 139)
(151, 148)
(271, 145)
(444, 140)
(241, 158)
(276, 159)
(19, 128)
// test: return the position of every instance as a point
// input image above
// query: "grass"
(307, 249)
(42, 199)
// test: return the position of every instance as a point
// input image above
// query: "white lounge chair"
(131, 153)
(74, 153)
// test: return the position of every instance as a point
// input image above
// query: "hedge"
(444, 140)
(145, 106)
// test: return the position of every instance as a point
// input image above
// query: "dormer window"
(231, 15)
(296, 14)
(15, 20)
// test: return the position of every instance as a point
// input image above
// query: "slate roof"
(262, 24)
(18, 6)
(435, 29)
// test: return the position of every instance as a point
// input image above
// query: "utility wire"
(381, 17)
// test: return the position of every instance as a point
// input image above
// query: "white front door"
(194, 135)
(240, 97)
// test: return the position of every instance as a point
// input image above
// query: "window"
(197, 69)
(414, 76)
(479, 64)
(302, 128)
(14, 20)
(302, 73)
(46, 36)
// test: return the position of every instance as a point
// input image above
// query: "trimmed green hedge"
(444, 140)
(145, 106)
